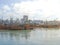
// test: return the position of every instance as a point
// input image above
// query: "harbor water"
(42, 36)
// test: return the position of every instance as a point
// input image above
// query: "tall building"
(11, 20)
(24, 20)
(25, 17)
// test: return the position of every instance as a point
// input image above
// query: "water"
(41, 36)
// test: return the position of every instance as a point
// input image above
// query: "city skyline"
(35, 9)
(25, 20)
(25, 23)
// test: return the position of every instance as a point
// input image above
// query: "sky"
(35, 9)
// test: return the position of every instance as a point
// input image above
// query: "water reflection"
(30, 37)
(14, 36)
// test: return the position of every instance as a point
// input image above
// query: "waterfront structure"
(25, 23)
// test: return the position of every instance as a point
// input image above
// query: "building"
(24, 20)
(38, 22)
(25, 17)
(11, 20)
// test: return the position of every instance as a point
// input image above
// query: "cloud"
(6, 8)
(31, 8)
(38, 9)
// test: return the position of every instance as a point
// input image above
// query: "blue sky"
(35, 9)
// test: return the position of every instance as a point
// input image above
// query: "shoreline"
(26, 27)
